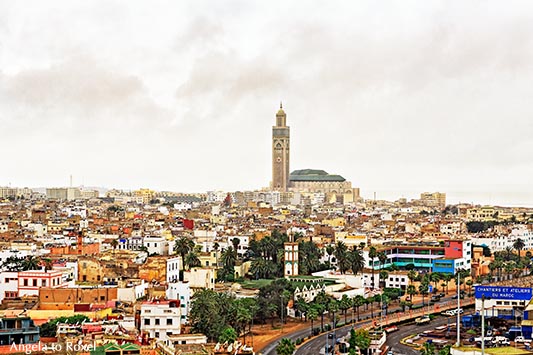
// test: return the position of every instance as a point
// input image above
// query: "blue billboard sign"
(504, 292)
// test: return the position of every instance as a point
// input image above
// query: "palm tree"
(312, 315)
(228, 258)
(301, 306)
(235, 241)
(341, 254)
(411, 291)
(192, 260)
(345, 304)
(518, 245)
(357, 302)
(285, 347)
(357, 260)
(183, 246)
(216, 246)
(372, 253)
(435, 278)
(383, 276)
(382, 257)
(31, 263)
(48, 264)
(447, 278)
(321, 301)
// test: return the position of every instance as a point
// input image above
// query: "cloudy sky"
(399, 97)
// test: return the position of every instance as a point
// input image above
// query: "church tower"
(280, 152)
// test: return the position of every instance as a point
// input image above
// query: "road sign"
(504, 292)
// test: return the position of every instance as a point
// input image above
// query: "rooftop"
(314, 175)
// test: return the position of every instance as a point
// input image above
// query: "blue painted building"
(18, 330)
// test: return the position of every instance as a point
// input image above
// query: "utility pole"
(458, 343)
(483, 324)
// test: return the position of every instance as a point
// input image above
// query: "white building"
(397, 279)
(161, 318)
(156, 245)
(9, 284)
(174, 265)
(200, 278)
(180, 291)
(244, 241)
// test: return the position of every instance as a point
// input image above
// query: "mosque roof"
(314, 175)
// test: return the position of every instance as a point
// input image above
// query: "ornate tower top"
(281, 117)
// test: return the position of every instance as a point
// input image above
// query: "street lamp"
(458, 343)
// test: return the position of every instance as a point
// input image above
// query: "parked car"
(441, 295)
(521, 339)
(391, 329)
(422, 320)
(435, 298)
(487, 339)
(499, 340)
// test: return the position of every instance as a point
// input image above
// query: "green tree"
(382, 257)
(435, 277)
(191, 260)
(236, 241)
(321, 302)
(357, 302)
(351, 339)
(357, 260)
(285, 347)
(518, 245)
(312, 315)
(301, 306)
(423, 288)
(228, 335)
(205, 315)
(228, 262)
(383, 276)
(345, 304)
(446, 350)
(411, 291)
(309, 257)
(372, 254)
(428, 349)
(31, 263)
(183, 246)
(362, 340)
(341, 254)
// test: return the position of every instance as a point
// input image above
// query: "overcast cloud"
(399, 97)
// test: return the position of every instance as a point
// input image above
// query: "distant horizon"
(453, 197)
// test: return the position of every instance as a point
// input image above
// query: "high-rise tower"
(280, 152)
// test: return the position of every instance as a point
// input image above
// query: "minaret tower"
(280, 152)
(291, 256)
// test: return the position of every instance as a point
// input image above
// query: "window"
(146, 321)
(43, 283)
(34, 282)
(25, 282)
(169, 321)
(157, 321)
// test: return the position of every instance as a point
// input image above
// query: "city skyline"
(397, 99)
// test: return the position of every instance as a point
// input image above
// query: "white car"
(487, 339)
(453, 312)
(521, 339)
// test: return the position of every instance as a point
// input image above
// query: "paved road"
(315, 345)
(393, 339)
